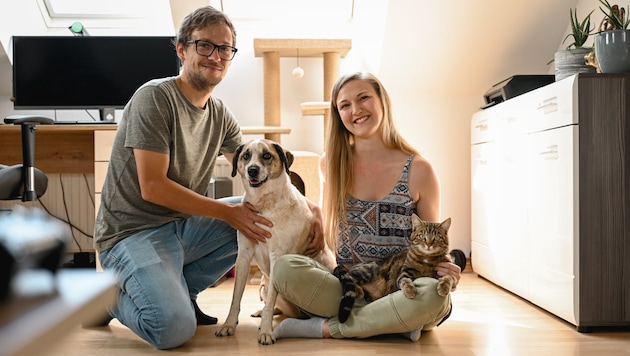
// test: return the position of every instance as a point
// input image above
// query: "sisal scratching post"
(271, 77)
(331, 73)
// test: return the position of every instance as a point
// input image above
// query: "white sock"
(305, 328)
(414, 335)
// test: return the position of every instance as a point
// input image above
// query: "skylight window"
(105, 14)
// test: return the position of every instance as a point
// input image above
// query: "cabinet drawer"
(97, 203)
(555, 105)
(480, 128)
(103, 142)
(100, 170)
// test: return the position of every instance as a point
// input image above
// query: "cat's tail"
(348, 287)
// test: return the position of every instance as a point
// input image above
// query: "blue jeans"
(160, 270)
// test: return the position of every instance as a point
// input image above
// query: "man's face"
(206, 72)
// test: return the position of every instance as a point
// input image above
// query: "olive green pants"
(316, 291)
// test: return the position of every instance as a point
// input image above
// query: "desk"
(58, 148)
(75, 148)
(29, 325)
(78, 155)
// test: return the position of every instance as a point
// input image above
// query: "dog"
(264, 169)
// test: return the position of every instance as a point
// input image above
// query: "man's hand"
(246, 219)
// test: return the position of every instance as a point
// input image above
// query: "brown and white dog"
(264, 169)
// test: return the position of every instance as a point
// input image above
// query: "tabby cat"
(373, 280)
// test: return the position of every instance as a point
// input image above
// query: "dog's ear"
(286, 157)
(237, 153)
(289, 158)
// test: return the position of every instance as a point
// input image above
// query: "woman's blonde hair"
(338, 156)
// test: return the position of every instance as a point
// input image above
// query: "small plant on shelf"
(615, 17)
(572, 60)
(612, 42)
(580, 31)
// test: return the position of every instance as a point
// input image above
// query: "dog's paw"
(266, 339)
(225, 330)
(258, 313)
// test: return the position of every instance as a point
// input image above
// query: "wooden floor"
(486, 320)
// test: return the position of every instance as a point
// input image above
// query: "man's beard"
(201, 83)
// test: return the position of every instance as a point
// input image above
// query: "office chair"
(24, 181)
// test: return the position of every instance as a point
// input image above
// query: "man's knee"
(173, 333)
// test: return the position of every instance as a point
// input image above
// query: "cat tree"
(271, 50)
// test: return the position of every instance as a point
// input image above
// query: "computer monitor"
(87, 72)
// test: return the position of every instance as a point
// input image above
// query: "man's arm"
(157, 188)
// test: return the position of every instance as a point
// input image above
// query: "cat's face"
(429, 237)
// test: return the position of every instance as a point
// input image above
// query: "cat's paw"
(408, 288)
(444, 286)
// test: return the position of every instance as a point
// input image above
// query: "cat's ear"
(415, 220)
(446, 224)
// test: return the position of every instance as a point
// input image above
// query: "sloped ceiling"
(464, 47)
(457, 47)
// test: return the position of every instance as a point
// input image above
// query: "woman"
(374, 181)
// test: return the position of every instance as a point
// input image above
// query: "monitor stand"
(107, 114)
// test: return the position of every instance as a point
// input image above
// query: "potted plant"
(612, 42)
(572, 59)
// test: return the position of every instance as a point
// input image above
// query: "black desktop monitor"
(87, 72)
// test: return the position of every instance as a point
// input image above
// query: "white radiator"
(224, 169)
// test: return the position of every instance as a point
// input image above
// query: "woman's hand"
(316, 234)
(444, 268)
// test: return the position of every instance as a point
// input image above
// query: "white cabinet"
(550, 190)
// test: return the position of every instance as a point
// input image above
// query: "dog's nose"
(253, 171)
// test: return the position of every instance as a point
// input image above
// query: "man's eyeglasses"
(206, 48)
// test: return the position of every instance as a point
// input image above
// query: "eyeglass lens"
(206, 48)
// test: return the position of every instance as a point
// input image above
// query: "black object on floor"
(459, 258)
(203, 319)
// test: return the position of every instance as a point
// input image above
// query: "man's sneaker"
(459, 258)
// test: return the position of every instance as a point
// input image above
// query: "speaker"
(222, 187)
(107, 114)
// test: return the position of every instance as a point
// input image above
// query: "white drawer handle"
(548, 105)
(550, 153)
(482, 126)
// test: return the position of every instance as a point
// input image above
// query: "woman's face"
(360, 108)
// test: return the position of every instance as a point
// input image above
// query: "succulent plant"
(614, 17)
(579, 30)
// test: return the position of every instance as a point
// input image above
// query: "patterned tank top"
(376, 229)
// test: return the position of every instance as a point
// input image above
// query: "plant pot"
(572, 61)
(612, 50)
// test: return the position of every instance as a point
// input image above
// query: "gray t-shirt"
(160, 118)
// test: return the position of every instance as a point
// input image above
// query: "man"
(156, 230)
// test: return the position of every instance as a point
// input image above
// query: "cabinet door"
(499, 212)
(484, 202)
(552, 220)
